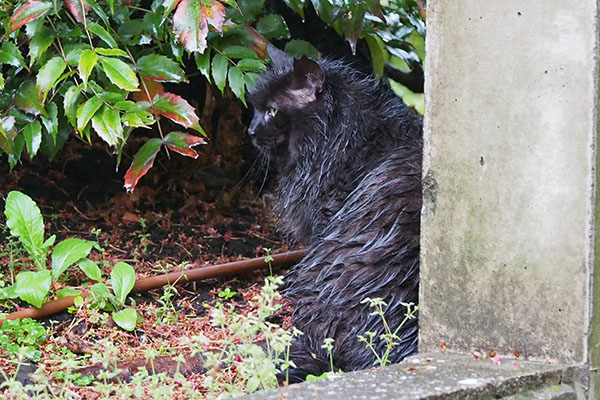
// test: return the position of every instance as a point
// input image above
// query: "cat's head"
(282, 99)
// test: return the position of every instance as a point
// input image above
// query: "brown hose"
(194, 274)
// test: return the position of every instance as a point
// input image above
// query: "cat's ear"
(308, 75)
(280, 60)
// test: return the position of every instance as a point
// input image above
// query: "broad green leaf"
(182, 143)
(24, 219)
(101, 290)
(127, 105)
(219, 71)
(90, 269)
(300, 48)
(51, 122)
(138, 119)
(48, 76)
(10, 54)
(120, 73)
(177, 110)
(325, 10)
(111, 52)
(273, 26)
(251, 79)
(27, 99)
(107, 124)
(1, 82)
(66, 292)
(142, 162)
(28, 12)
(71, 102)
(102, 34)
(68, 252)
(39, 43)
(376, 48)
(86, 111)
(160, 68)
(239, 52)
(252, 65)
(352, 24)
(122, 280)
(190, 26)
(87, 62)
(33, 137)
(236, 83)
(252, 384)
(203, 63)
(49, 242)
(126, 319)
(33, 287)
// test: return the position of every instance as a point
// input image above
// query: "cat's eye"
(272, 112)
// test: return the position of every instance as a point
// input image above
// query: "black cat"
(348, 153)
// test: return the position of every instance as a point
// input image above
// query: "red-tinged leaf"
(169, 5)
(160, 68)
(177, 110)
(190, 25)
(30, 11)
(182, 143)
(259, 42)
(142, 162)
(215, 14)
(78, 9)
(153, 88)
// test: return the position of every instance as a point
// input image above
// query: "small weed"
(226, 293)
(22, 337)
(390, 337)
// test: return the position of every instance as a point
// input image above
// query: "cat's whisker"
(242, 180)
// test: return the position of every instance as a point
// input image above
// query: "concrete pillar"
(509, 179)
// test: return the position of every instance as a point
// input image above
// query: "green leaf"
(236, 83)
(252, 384)
(111, 52)
(219, 71)
(71, 102)
(177, 109)
(66, 292)
(138, 119)
(87, 61)
(10, 54)
(300, 48)
(24, 219)
(39, 43)
(126, 319)
(142, 162)
(182, 143)
(101, 290)
(68, 252)
(33, 137)
(33, 287)
(252, 65)
(107, 124)
(1, 82)
(48, 76)
(352, 24)
(27, 99)
(190, 26)
(376, 48)
(28, 12)
(86, 111)
(239, 52)
(51, 123)
(273, 26)
(102, 34)
(90, 269)
(122, 280)
(160, 68)
(251, 79)
(119, 73)
(203, 63)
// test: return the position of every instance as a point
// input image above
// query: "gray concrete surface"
(507, 231)
(440, 376)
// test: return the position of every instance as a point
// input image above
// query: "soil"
(184, 213)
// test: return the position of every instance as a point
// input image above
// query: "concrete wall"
(507, 232)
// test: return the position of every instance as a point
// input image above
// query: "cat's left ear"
(308, 75)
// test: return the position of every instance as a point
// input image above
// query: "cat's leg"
(370, 249)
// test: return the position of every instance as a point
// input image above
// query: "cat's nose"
(251, 131)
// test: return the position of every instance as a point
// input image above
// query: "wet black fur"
(349, 157)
